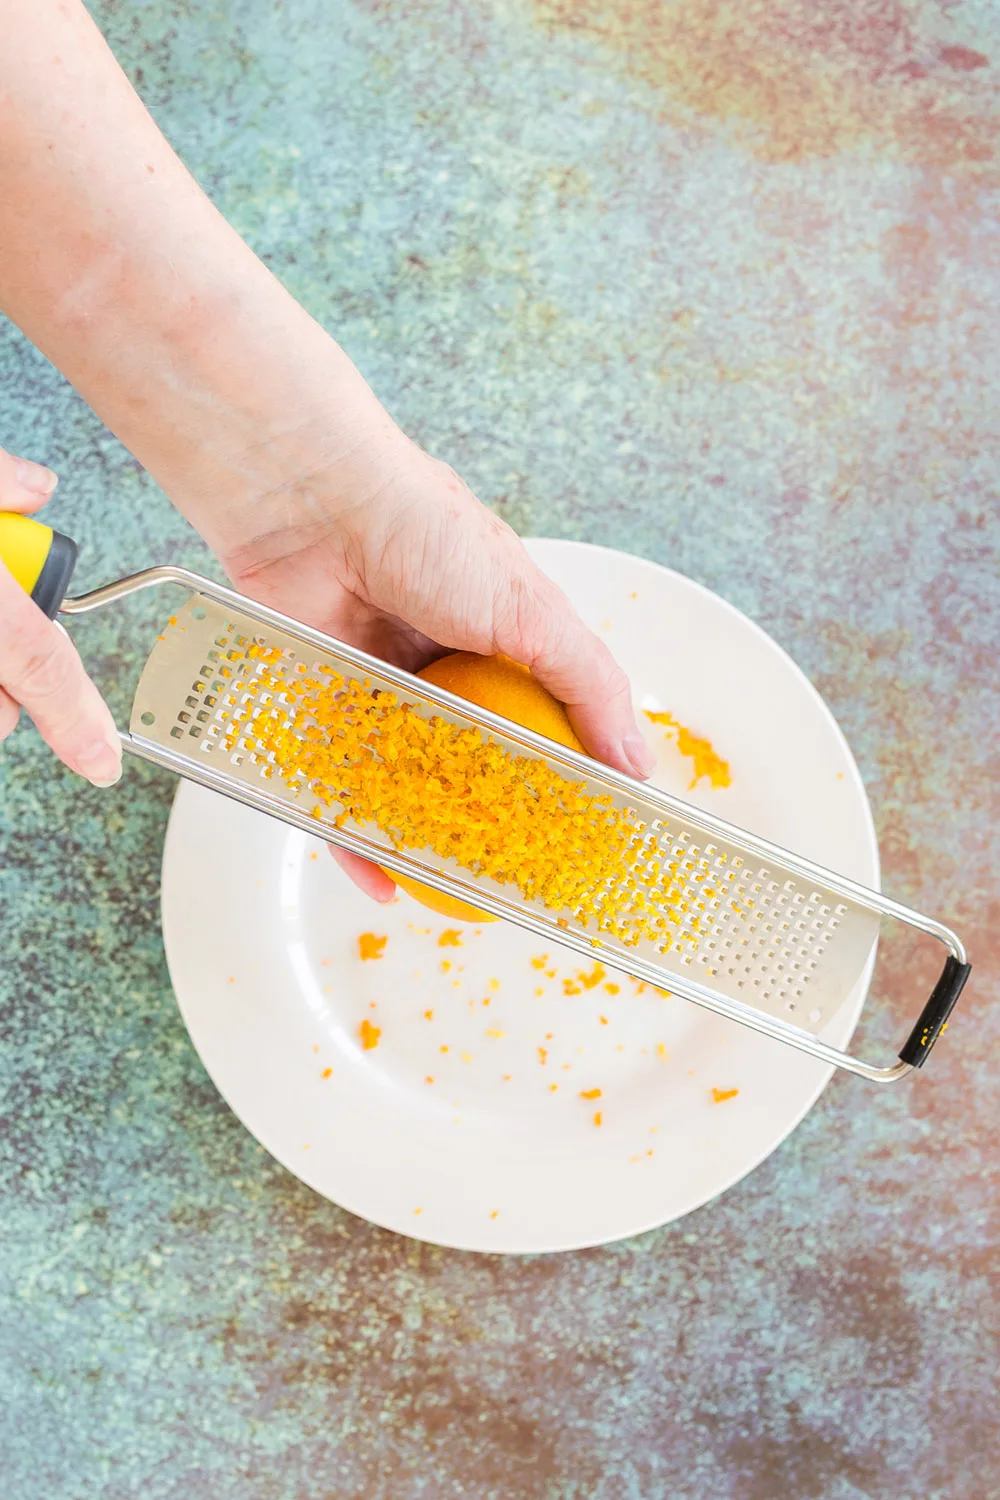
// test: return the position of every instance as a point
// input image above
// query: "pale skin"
(245, 410)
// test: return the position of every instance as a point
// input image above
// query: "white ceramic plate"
(466, 1123)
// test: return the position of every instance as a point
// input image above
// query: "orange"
(503, 687)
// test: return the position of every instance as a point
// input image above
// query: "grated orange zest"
(369, 758)
(706, 762)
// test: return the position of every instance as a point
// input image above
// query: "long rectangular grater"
(709, 912)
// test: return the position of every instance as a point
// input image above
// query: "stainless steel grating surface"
(754, 930)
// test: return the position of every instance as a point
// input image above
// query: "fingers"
(453, 570)
(535, 624)
(367, 877)
(39, 666)
(24, 485)
(41, 671)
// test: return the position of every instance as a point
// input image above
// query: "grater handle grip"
(40, 559)
(934, 1016)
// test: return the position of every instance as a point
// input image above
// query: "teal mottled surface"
(715, 283)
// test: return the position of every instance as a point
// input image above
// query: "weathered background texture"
(714, 281)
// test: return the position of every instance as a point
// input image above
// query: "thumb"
(24, 485)
(534, 623)
(41, 672)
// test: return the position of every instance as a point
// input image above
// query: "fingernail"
(36, 478)
(639, 755)
(101, 763)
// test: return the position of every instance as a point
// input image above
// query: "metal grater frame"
(779, 942)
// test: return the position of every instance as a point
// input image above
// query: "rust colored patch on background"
(802, 80)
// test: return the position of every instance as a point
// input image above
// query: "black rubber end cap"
(57, 570)
(934, 1016)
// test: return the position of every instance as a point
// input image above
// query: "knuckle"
(515, 615)
(530, 613)
(501, 532)
(46, 674)
(612, 680)
(452, 482)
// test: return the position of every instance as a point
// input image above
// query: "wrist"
(238, 403)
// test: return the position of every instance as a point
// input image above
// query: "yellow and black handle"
(41, 560)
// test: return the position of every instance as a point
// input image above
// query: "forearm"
(120, 269)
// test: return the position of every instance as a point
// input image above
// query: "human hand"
(39, 667)
(243, 408)
(404, 560)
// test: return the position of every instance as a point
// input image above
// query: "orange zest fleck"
(428, 1015)
(598, 1118)
(370, 946)
(719, 1096)
(603, 1020)
(369, 1034)
(706, 762)
(590, 1093)
(612, 988)
(327, 1073)
(543, 1056)
(451, 937)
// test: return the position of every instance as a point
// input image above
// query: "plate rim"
(851, 1018)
